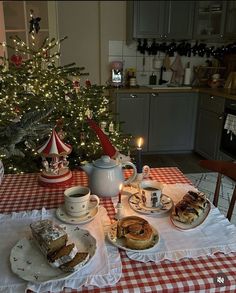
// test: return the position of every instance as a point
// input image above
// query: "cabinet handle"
(133, 96)
(154, 94)
(212, 97)
(220, 117)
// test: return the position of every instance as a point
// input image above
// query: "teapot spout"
(87, 168)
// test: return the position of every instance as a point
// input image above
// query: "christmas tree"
(32, 82)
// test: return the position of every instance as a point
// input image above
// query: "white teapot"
(105, 176)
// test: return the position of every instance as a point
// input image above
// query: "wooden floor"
(187, 163)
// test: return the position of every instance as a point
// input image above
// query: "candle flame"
(140, 142)
(120, 186)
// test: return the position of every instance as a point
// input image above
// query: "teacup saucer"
(64, 217)
(136, 203)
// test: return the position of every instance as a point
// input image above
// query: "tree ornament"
(103, 126)
(88, 83)
(34, 22)
(16, 60)
(89, 113)
(82, 135)
(76, 85)
(111, 127)
(54, 160)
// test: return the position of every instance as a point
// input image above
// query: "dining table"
(205, 273)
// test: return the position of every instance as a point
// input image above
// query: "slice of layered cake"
(78, 261)
(63, 255)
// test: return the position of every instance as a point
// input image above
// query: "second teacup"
(79, 201)
(151, 193)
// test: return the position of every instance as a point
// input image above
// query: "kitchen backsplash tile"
(116, 48)
(129, 61)
(129, 50)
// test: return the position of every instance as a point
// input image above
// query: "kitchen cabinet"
(210, 20)
(209, 126)
(166, 121)
(164, 20)
(230, 22)
(19, 24)
(172, 122)
(133, 110)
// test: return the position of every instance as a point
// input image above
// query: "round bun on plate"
(137, 232)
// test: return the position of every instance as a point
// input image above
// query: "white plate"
(28, 262)
(200, 220)
(136, 203)
(120, 243)
(64, 217)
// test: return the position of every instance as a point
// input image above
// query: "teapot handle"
(133, 176)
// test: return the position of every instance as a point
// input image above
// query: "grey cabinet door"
(172, 122)
(148, 19)
(209, 126)
(210, 20)
(133, 110)
(230, 23)
(208, 134)
(180, 20)
(160, 19)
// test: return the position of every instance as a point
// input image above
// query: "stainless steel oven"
(228, 138)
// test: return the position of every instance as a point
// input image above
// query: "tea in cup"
(151, 193)
(79, 201)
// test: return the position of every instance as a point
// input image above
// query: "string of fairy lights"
(31, 80)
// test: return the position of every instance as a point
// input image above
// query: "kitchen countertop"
(221, 92)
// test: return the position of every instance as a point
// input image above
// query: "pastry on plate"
(190, 207)
(136, 231)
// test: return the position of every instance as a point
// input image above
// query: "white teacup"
(79, 201)
(151, 193)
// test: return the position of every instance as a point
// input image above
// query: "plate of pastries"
(191, 211)
(133, 234)
(52, 252)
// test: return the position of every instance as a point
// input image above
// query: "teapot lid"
(105, 162)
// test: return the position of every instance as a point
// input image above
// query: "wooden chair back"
(226, 168)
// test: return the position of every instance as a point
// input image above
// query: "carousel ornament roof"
(54, 147)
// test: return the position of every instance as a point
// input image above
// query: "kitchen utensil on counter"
(105, 176)
(157, 62)
(187, 75)
(153, 79)
(144, 63)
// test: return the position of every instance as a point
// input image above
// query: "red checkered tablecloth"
(205, 274)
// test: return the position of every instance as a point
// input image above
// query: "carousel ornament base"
(48, 179)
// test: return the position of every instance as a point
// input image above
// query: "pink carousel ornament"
(54, 160)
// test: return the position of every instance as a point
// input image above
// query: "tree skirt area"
(206, 183)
